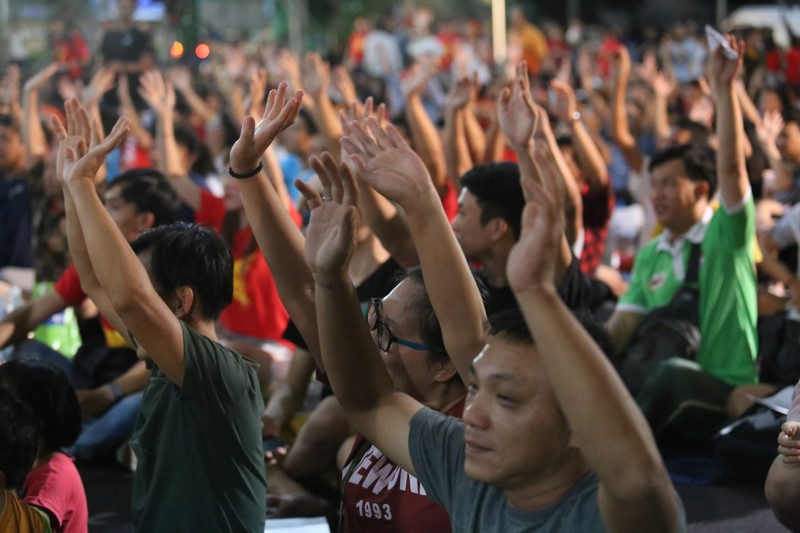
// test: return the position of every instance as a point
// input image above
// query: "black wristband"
(246, 174)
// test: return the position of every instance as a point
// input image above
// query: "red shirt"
(69, 288)
(381, 497)
(256, 310)
(56, 486)
(598, 205)
(72, 49)
(449, 201)
(793, 65)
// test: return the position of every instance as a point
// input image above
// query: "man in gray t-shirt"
(436, 443)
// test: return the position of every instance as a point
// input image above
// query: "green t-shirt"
(200, 460)
(728, 305)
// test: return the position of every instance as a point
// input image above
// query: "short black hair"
(698, 159)
(790, 115)
(7, 121)
(203, 162)
(498, 191)
(47, 391)
(149, 191)
(510, 325)
(190, 255)
(421, 311)
(699, 132)
(18, 440)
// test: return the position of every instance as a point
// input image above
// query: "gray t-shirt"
(436, 444)
(200, 461)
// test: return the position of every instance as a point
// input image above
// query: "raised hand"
(386, 162)
(533, 259)
(421, 72)
(160, 96)
(770, 128)
(257, 88)
(622, 63)
(181, 78)
(463, 92)
(290, 69)
(254, 139)
(789, 442)
(342, 82)
(315, 75)
(518, 115)
(331, 234)
(37, 81)
(723, 70)
(82, 150)
(567, 94)
(102, 81)
(9, 87)
(663, 86)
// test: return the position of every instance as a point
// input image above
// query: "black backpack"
(665, 332)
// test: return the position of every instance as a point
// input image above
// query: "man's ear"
(184, 302)
(498, 229)
(145, 221)
(701, 188)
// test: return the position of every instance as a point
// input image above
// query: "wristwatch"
(576, 116)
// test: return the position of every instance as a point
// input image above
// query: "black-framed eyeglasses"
(384, 335)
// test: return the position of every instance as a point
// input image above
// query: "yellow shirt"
(22, 518)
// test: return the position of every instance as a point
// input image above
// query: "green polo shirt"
(200, 459)
(728, 306)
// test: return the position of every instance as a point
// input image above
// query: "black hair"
(203, 164)
(497, 189)
(308, 120)
(698, 160)
(420, 309)
(790, 115)
(7, 121)
(50, 396)
(18, 440)
(190, 255)
(699, 132)
(149, 191)
(510, 325)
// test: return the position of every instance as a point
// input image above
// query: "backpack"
(665, 332)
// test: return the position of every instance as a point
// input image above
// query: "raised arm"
(388, 164)
(584, 144)
(181, 78)
(384, 218)
(279, 239)
(9, 94)
(160, 96)
(32, 131)
(456, 147)
(316, 77)
(731, 171)
(526, 125)
(424, 134)
(128, 109)
(635, 490)
(77, 245)
(120, 272)
(356, 372)
(620, 129)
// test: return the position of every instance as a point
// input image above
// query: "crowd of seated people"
(398, 286)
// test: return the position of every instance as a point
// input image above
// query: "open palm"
(330, 237)
(386, 162)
